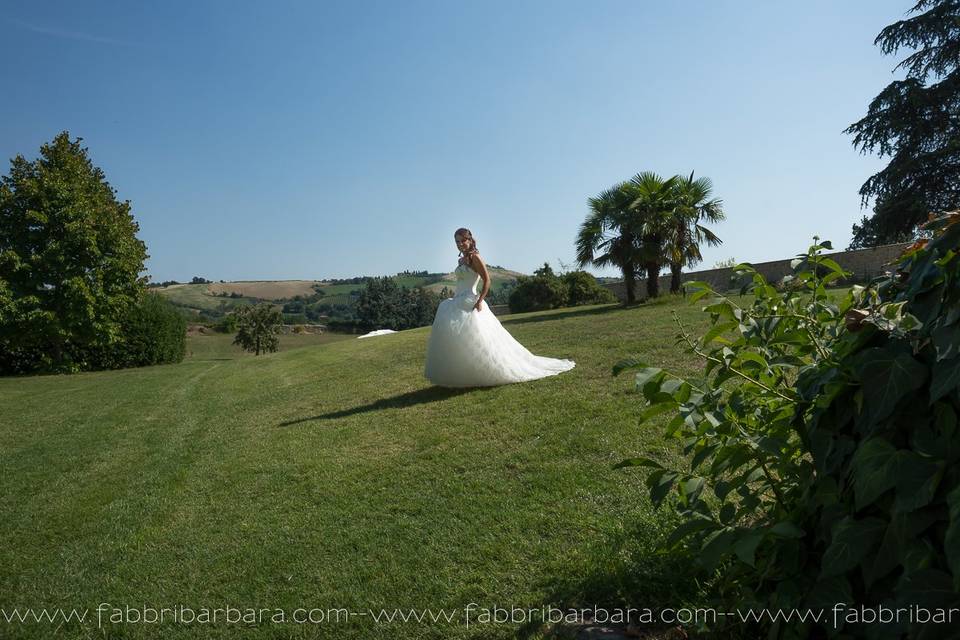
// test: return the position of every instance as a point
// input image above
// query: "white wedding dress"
(470, 348)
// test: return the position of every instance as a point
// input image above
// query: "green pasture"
(331, 474)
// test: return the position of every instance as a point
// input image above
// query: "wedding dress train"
(469, 348)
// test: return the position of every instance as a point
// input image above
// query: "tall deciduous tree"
(916, 123)
(70, 262)
(258, 327)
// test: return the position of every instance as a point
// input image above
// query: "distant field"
(498, 278)
(267, 290)
(202, 296)
(196, 296)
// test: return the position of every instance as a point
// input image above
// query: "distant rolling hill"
(221, 297)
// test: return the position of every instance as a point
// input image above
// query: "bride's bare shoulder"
(476, 263)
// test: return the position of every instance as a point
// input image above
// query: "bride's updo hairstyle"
(465, 233)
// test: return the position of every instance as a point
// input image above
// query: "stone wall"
(864, 263)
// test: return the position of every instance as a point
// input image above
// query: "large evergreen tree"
(70, 263)
(915, 121)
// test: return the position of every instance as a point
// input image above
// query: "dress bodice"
(467, 281)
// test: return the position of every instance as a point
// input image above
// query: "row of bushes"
(545, 290)
(150, 331)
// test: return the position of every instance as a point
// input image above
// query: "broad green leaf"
(946, 418)
(746, 357)
(877, 467)
(900, 533)
(692, 488)
(660, 485)
(946, 378)
(930, 588)
(832, 265)
(689, 527)
(627, 364)
(886, 378)
(722, 309)
(786, 529)
(887, 559)
(728, 512)
(917, 481)
(852, 541)
(702, 454)
(826, 593)
(715, 547)
(655, 410)
(698, 289)
(746, 546)
(716, 331)
(873, 470)
(646, 375)
(722, 488)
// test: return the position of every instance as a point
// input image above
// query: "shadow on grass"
(622, 571)
(573, 313)
(409, 399)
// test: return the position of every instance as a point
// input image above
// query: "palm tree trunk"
(675, 277)
(629, 283)
(653, 279)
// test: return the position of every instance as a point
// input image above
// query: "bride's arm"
(476, 262)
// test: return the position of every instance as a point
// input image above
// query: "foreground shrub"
(824, 449)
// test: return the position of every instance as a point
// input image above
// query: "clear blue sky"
(317, 139)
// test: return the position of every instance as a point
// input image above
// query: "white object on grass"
(378, 332)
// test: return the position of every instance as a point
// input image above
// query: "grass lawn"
(332, 475)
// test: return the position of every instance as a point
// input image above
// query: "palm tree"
(607, 237)
(687, 234)
(653, 206)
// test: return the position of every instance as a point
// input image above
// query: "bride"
(468, 346)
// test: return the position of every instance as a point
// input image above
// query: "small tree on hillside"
(257, 328)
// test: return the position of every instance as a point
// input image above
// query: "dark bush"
(542, 291)
(385, 305)
(154, 332)
(226, 324)
(583, 288)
